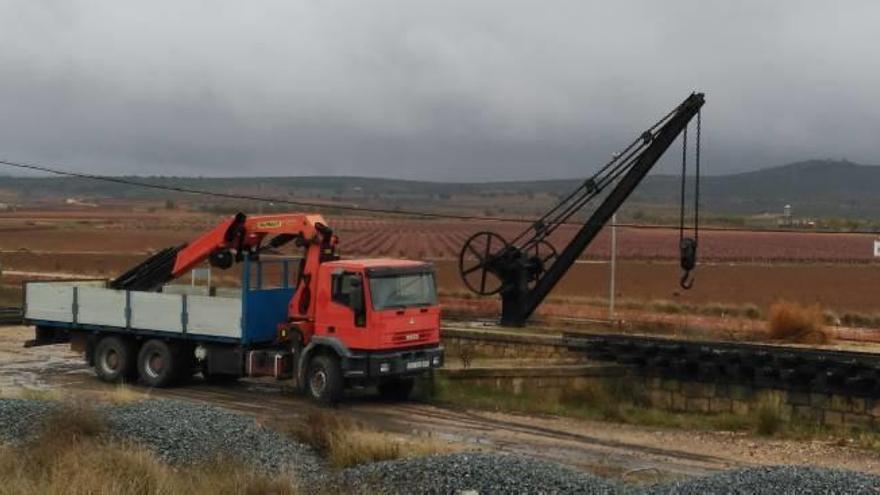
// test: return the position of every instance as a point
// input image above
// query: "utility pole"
(611, 285)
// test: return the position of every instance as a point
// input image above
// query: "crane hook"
(688, 247)
(687, 280)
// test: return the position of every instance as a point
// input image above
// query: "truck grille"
(407, 337)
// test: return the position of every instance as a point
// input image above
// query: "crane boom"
(227, 243)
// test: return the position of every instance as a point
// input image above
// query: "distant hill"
(819, 188)
(823, 188)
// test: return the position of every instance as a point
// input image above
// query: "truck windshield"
(400, 291)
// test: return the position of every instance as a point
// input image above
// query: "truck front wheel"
(114, 359)
(396, 388)
(158, 364)
(324, 379)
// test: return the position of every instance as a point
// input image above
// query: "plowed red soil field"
(443, 240)
(836, 270)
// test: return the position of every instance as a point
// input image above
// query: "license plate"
(417, 365)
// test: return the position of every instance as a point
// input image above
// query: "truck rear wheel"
(115, 360)
(324, 379)
(158, 364)
(396, 388)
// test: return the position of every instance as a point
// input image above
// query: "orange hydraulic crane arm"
(240, 235)
(229, 242)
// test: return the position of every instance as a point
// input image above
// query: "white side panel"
(156, 311)
(209, 316)
(101, 306)
(49, 301)
(215, 316)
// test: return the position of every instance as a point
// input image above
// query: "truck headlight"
(384, 368)
(436, 361)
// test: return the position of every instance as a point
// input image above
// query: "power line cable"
(384, 211)
(265, 199)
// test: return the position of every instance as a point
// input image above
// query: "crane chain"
(688, 245)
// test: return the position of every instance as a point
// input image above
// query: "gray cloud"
(461, 90)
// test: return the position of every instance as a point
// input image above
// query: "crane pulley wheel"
(477, 254)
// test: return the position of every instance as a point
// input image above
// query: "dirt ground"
(621, 451)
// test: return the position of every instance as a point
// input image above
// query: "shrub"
(73, 421)
(768, 418)
(751, 311)
(796, 323)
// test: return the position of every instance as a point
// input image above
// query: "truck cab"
(378, 321)
(378, 304)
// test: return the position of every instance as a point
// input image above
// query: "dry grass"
(621, 400)
(124, 394)
(72, 456)
(120, 394)
(793, 322)
(614, 400)
(852, 319)
(345, 443)
(50, 394)
(768, 417)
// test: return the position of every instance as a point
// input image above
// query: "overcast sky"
(443, 90)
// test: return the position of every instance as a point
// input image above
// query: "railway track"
(10, 316)
(761, 365)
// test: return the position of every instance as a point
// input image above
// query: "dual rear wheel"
(160, 364)
(156, 364)
(115, 360)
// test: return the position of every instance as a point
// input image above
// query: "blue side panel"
(262, 311)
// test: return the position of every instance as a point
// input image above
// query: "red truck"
(325, 322)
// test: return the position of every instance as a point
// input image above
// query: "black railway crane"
(526, 269)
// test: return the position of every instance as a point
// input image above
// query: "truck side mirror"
(356, 302)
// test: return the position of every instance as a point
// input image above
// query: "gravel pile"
(495, 473)
(776, 480)
(178, 433)
(472, 472)
(181, 433)
(21, 419)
